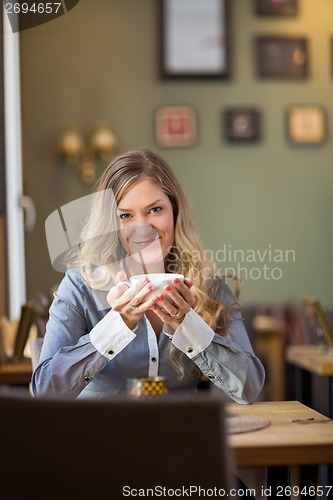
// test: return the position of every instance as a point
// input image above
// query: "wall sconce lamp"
(87, 155)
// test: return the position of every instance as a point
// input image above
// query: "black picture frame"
(282, 57)
(189, 52)
(276, 7)
(243, 124)
(306, 124)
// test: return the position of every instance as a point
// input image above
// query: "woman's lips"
(144, 243)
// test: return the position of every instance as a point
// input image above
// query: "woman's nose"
(145, 231)
(141, 221)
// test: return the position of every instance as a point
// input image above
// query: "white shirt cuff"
(193, 335)
(111, 335)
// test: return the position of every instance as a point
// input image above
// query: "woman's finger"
(141, 295)
(174, 302)
(180, 289)
(122, 293)
(121, 279)
(172, 320)
(116, 292)
(121, 276)
(188, 282)
(122, 284)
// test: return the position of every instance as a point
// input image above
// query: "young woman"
(103, 330)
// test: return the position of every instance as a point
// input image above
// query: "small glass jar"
(147, 387)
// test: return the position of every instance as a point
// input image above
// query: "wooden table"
(291, 439)
(16, 373)
(297, 436)
(310, 359)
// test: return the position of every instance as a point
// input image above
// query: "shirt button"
(210, 376)
(190, 349)
(110, 352)
(87, 378)
(153, 359)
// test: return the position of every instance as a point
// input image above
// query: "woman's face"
(146, 222)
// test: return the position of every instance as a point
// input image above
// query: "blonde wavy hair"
(101, 246)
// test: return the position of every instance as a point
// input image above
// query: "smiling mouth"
(145, 243)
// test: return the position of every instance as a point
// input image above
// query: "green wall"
(100, 61)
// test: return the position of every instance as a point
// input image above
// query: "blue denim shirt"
(89, 351)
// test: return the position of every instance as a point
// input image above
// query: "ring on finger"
(133, 307)
(177, 315)
(127, 283)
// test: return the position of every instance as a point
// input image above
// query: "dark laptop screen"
(93, 449)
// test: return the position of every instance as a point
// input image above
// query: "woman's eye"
(125, 216)
(155, 209)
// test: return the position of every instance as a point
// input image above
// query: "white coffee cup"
(158, 280)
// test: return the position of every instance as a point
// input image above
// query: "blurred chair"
(8, 332)
(16, 337)
(270, 327)
(61, 448)
(26, 321)
(270, 336)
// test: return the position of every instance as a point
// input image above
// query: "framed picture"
(276, 7)
(242, 125)
(176, 126)
(306, 124)
(194, 38)
(282, 57)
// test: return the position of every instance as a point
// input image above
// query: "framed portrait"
(306, 124)
(276, 7)
(194, 38)
(282, 57)
(242, 125)
(176, 126)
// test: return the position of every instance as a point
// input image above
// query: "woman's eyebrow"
(148, 206)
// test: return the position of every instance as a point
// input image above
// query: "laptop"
(61, 448)
(318, 323)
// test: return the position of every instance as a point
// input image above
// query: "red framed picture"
(176, 126)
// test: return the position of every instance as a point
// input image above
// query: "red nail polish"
(154, 308)
(160, 297)
(167, 288)
(150, 287)
(176, 281)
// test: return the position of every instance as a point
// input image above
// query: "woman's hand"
(127, 299)
(175, 302)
